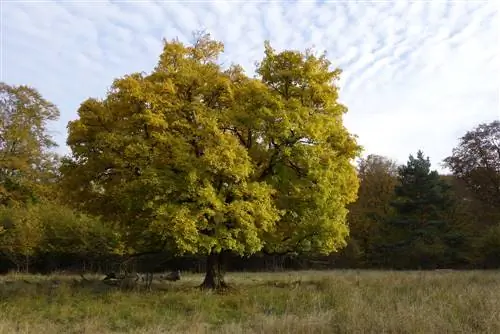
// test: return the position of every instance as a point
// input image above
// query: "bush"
(55, 230)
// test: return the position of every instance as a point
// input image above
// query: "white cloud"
(416, 75)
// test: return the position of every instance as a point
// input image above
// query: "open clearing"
(341, 301)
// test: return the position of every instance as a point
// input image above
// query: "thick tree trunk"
(214, 275)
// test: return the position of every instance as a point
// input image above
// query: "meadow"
(340, 301)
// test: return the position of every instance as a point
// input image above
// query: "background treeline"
(405, 217)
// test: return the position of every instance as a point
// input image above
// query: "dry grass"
(292, 302)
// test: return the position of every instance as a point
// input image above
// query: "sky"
(416, 74)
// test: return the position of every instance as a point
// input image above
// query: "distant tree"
(476, 161)
(49, 229)
(377, 177)
(67, 232)
(464, 216)
(489, 248)
(210, 161)
(26, 162)
(21, 235)
(420, 226)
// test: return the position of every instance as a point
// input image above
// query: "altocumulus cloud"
(416, 75)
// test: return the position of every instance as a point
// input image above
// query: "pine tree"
(419, 232)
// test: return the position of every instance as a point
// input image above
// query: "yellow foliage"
(210, 159)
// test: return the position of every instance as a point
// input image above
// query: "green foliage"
(421, 194)
(66, 232)
(464, 237)
(46, 228)
(205, 159)
(378, 177)
(489, 247)
(419, 230)
(476, 161)
(21, 234)
(26, 164)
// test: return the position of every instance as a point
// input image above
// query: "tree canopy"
(418, 232)
(25, 143)
(378, 177)
(194, 160)
(206, 160)
(476, 161)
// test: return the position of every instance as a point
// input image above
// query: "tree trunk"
(214, 275)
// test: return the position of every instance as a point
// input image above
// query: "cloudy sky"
(416, 75)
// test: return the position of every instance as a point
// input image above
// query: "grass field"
(290, 302)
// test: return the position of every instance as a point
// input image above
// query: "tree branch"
(235, 132)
